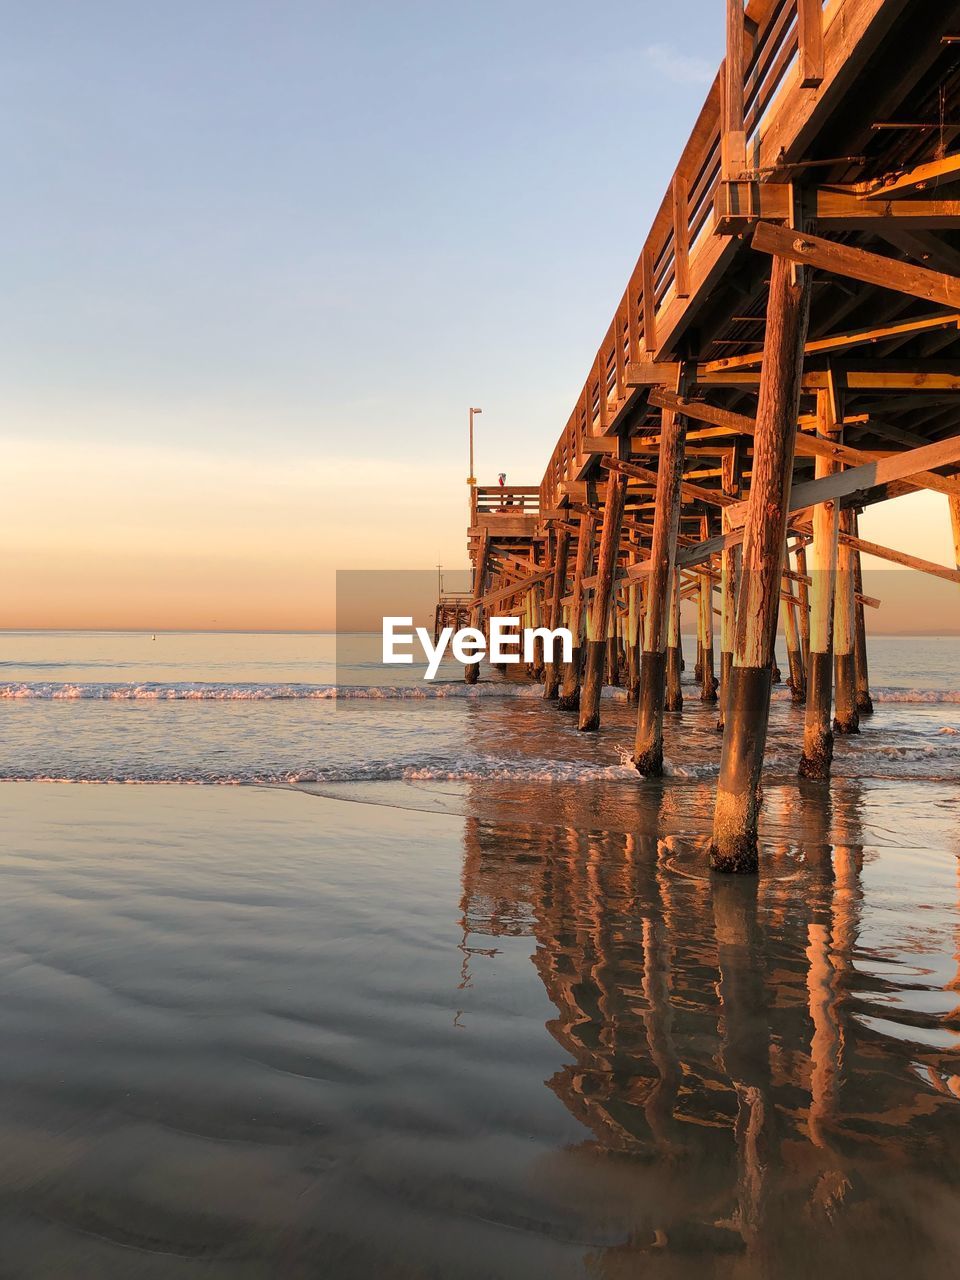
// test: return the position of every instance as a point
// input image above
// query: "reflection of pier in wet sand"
(783, 356)
(769, 1079)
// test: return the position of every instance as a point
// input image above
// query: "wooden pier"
(786, 352)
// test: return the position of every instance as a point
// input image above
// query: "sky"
(260, 258)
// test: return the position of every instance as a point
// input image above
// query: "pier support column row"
(734, 846)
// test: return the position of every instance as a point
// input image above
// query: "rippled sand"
(484, 1030)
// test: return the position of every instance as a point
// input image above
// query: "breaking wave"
(476, 769)
(190, 691)
(209, 691)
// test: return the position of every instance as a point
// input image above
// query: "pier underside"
(786, 353)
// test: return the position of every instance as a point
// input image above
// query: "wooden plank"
(857, 264)
(599, 614)
(681, 237)
(841, 207)
(900, 557)
(652, 373)
(921, 177)
(649, 301)
(733, 138)
(810, 35)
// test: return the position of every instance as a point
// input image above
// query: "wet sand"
(476, 1031)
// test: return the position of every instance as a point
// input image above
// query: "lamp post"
(471, 478)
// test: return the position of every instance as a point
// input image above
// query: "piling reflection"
(773, 1073)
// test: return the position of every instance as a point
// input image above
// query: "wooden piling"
(708, 680)
(734, 846)
(551, 682)
(613, 647)
(632, 637)
(569, 699)
(600, 605)
(800, 553)
(673, 698)
(648, 748)
(861, 665)
(471, 671)
(791, 635)
(846, 720)
(817, 731)
(729, 575)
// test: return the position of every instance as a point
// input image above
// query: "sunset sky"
(260, 259)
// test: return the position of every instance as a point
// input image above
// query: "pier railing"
(510, 499)
(773, 40)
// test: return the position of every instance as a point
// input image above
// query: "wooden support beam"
(843, 341)
(734, 844)
(810, 37)
(515, 588)
(471, 670)
(708, 682)
(599, 616)
(846, 719)
(648, 749)
(569, 699)
(902, 557)
(619, 365)
(729, 575)
(920, 177)
(693, 492)
(817, 755)
(789, 609)
(811, 446)
(673, 692)
(733, 138)
(551, 682)
(803, 589)
(955, 527)
(864, 702)
(603, 407)
(649, 301)
(681, 236)
(857, 264)
(854, 485)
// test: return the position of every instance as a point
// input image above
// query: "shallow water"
(257, 1032)
(226, 708)
(455, 996)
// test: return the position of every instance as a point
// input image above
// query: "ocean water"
(279, 709)
(450, 994)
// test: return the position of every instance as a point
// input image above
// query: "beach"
(485, 1013)
(253, 1031)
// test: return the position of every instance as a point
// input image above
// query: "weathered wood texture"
(734, 845)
